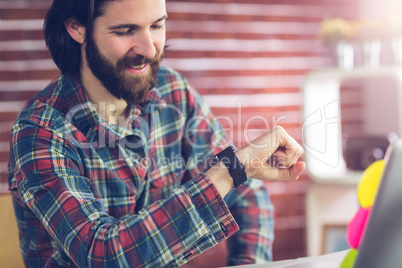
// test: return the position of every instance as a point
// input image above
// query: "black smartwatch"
(233, 164)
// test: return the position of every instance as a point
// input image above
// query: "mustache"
(136, 61)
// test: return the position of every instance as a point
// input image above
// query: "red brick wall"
(247, 58)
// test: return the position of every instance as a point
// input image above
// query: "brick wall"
(247, 58)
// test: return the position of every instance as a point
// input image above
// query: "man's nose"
(144, 45)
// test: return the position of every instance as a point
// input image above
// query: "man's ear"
(75, 30)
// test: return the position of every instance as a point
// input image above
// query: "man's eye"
(122, 33)
(157, 26)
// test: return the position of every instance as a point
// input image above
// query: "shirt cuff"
(211, 207)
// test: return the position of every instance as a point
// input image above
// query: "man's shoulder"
(44, 107)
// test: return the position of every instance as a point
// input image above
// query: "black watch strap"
(233, 164)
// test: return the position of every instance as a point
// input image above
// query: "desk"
(332, 260)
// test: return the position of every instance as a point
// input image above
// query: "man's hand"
(272, 156)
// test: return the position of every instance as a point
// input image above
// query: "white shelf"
(321, 130)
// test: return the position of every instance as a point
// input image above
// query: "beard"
(132, 89)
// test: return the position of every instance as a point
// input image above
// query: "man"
(108, 164)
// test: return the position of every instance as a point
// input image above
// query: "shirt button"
(144, 163)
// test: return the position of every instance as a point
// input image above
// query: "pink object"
(356, 227)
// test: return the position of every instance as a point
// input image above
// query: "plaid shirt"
(93, 194)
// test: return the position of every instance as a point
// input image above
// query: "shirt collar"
(152, 102)
(83, 114)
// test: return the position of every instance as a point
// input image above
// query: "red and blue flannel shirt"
(89, 193)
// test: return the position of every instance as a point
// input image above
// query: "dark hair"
(65, 51)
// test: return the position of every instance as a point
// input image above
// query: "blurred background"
(249, 59)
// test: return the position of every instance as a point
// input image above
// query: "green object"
(349, 260)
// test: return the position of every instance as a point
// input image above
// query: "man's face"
(126, 47)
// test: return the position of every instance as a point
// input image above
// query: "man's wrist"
(236, 169)
(220, 178)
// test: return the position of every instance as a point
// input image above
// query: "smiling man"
(112, 164)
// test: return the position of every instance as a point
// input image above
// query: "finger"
(281, 159)
(297, 169)
(282, 174)
(288, 144)
(291, 173)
